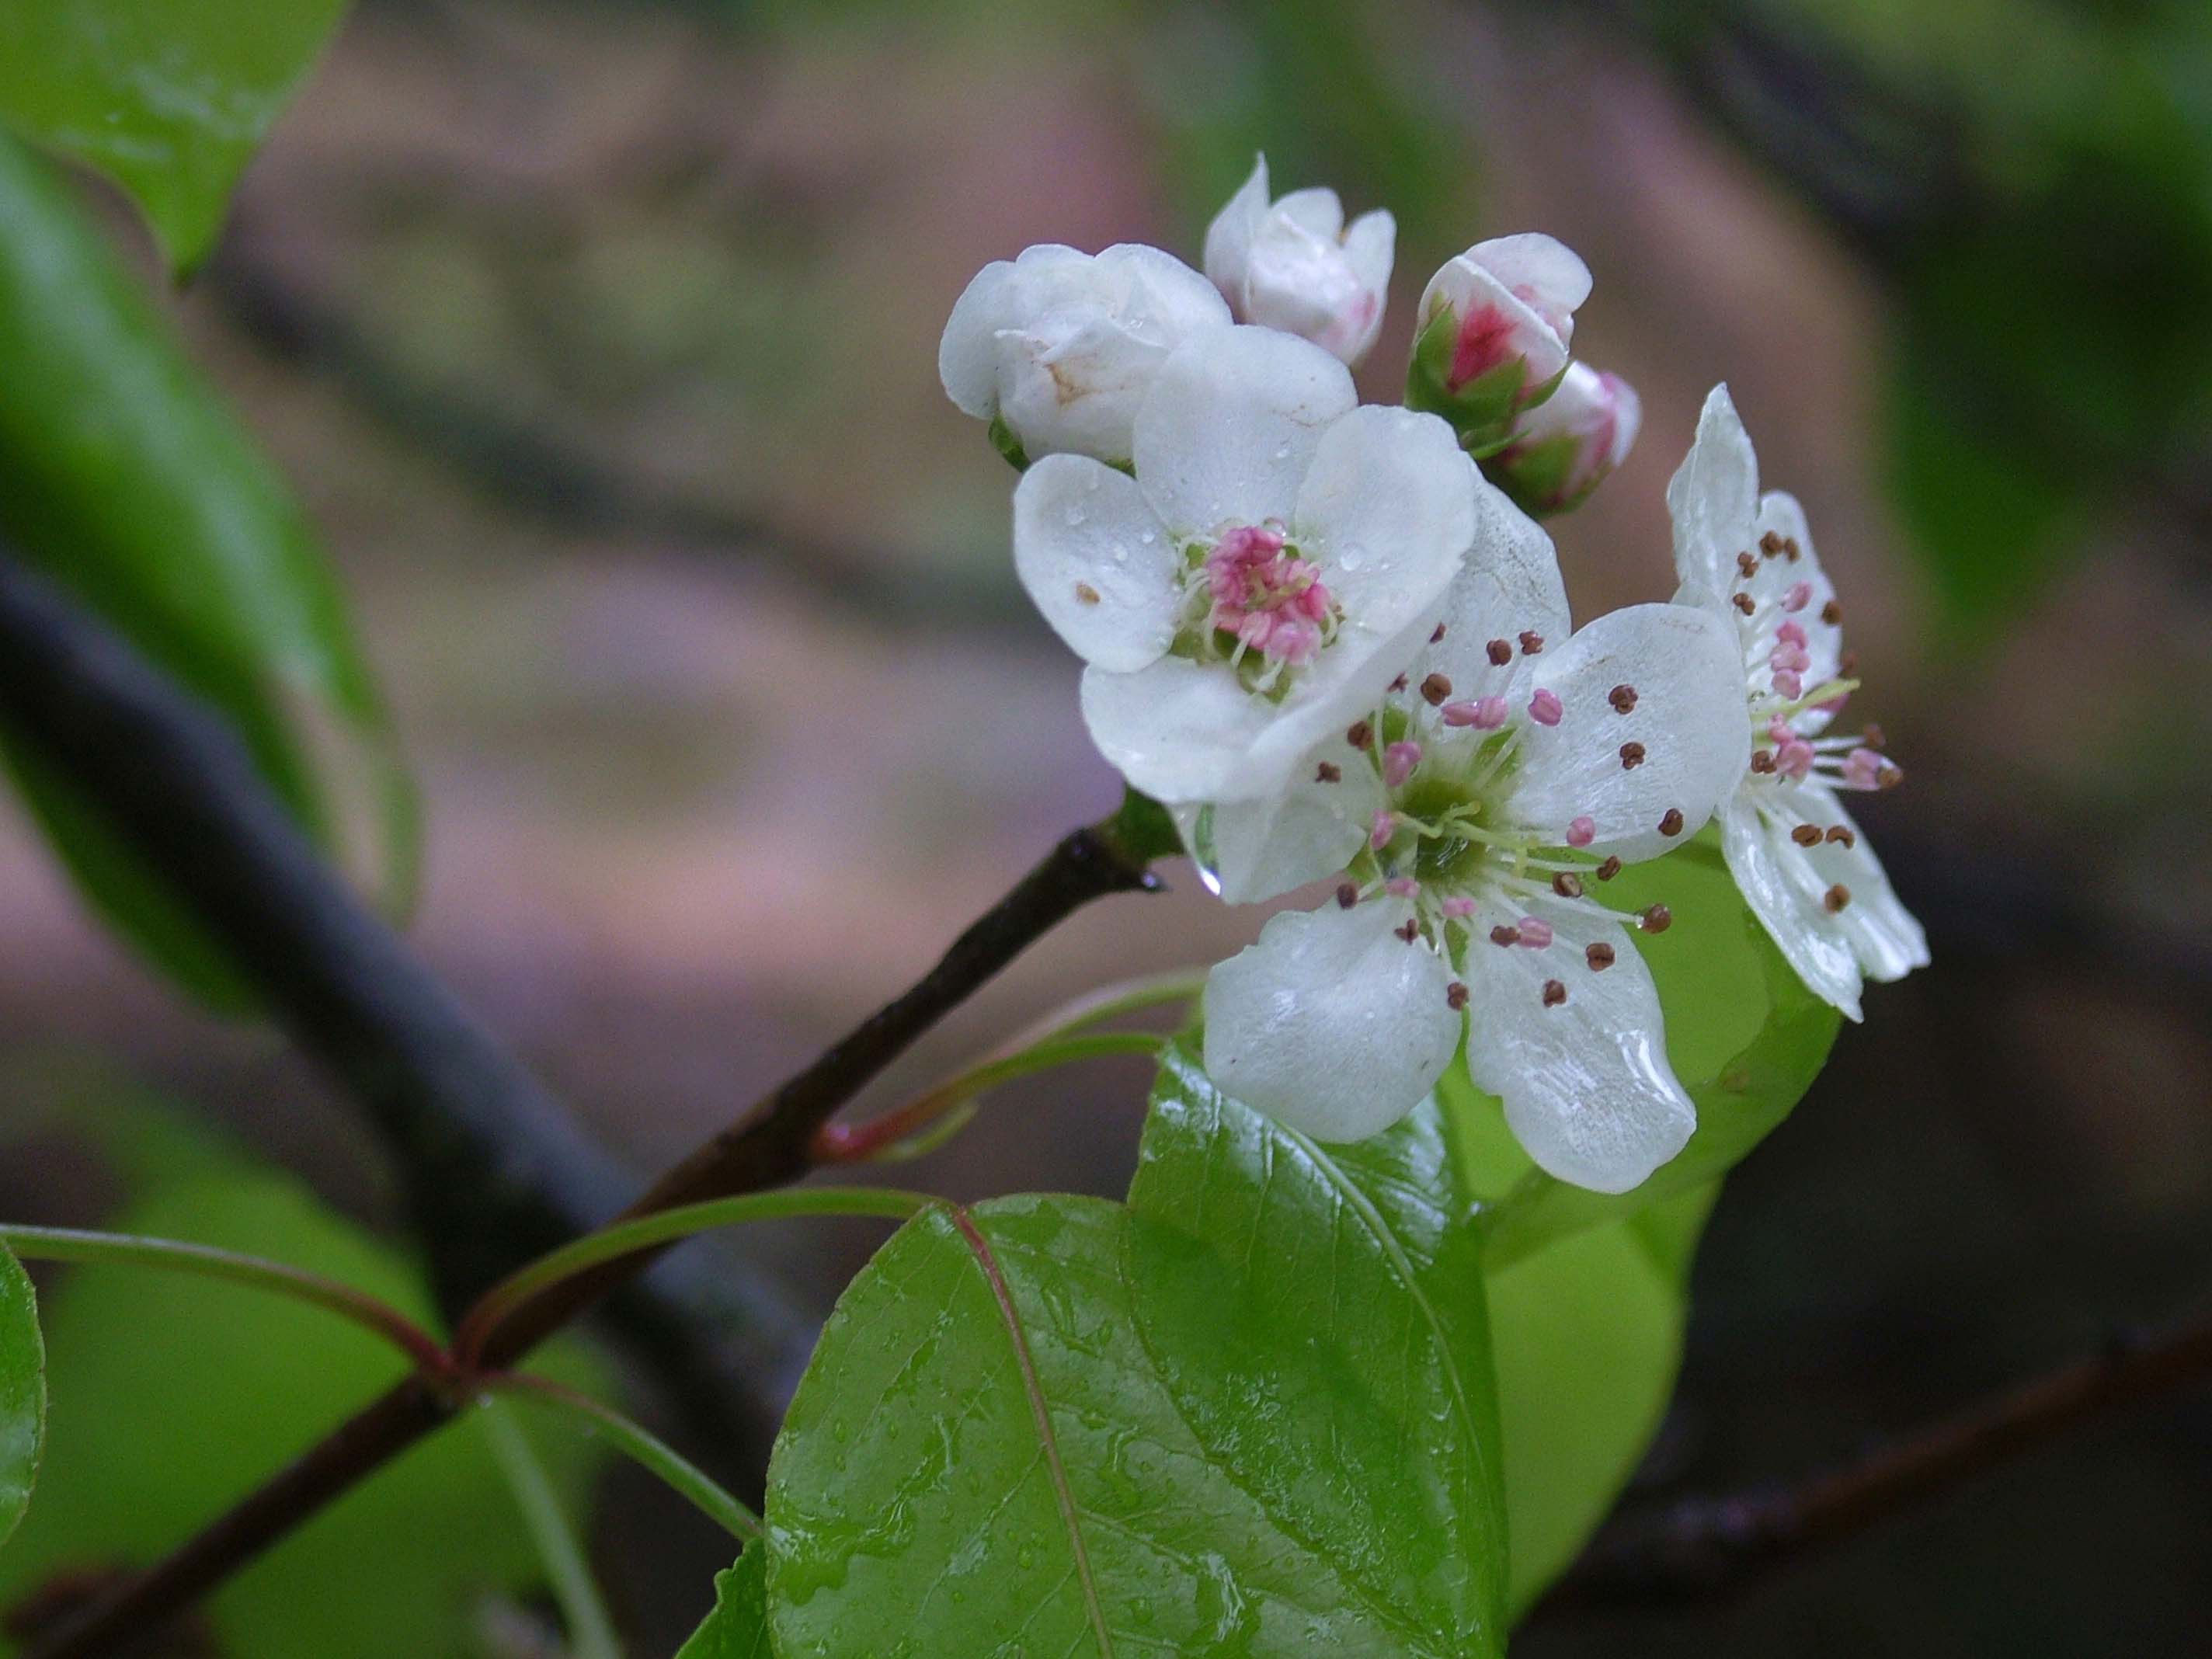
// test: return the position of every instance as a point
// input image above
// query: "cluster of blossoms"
(1333, 640)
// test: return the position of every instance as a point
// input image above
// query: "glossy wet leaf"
(169, 100)
(1745, 1036)
(738, 1627)
(22, 1392)
(176, 1397)
(123, 478)
(1057, 1425)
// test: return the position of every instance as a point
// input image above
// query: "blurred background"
(600, 337)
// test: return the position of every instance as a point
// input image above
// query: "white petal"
(1688, 714)
(1769, 587)
(1229, 238)
(1586, 1083)
(1713, 499)
(1369, 250)
(1884, 939)
(1185, 731)
(1331, 1022)
(1315, 210)
(1308, 829)
(1539, 269)
(1230, 424)
(1508, 586)
(967, 355)
(1102, 568)
(1771, 874)
(1388, 510)
(1466, 287)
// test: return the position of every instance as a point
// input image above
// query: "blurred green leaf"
(1265, 1386)
(176, 1399)
(22, 1391)
(170, 100)
(123, 477)
(738, 1627)
(1745, 1036)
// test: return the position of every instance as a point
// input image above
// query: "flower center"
(1253, 600)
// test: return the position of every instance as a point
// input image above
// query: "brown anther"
(1437, 638)
(1502, 935)
(1769, 544)
(1087, 593)
(1434, 690)
(1889, 776)
(1842, 836)
(1410, 932)
(1454, 996)
(1671, 824)
(1836, 897)
(1762, 760)
(1608, 870)
(1398, 685)
(1359, 734)
(1531, 643)
(1599, 955)
(1622, 697)
(1631, 756)
(1347, 895)
(1747, 565)
(1848, 664)
(1743, 603)
(1805, 834)
(1789, 548)
(1554, 994)
(1832, 612)
(1329, 772)
(1873, 737)
(1567, 884)
(1500, 653)
(1656, 919)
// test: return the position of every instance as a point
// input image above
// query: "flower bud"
(1494, 326)
(1057, 348)
(1564, 448)
(1298, 267)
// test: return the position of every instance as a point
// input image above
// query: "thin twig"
(1707, 1547)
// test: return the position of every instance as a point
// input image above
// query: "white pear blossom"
(1295, 265)
(1803, 865)
(1494, 328)
(1468, 817)
(1057, 348)
(1568, 445)
(1278, 558)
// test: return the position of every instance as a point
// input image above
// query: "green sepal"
(1003, 441)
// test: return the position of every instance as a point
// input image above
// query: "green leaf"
(124, 478)
(176, 1398)
(738, 1627)
(22, 1392)
(1248, 1414)
(1744, 1035)
(170, 100)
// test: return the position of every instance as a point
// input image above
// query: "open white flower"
(1802, 863)
(1468, 814)
(1568, 445)
(1279, 557)
(1057, 348)
(1297, 266)
(1493, 330)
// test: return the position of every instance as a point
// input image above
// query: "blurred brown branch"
(1707, 1547)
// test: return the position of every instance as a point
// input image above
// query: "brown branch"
(1707, 1548)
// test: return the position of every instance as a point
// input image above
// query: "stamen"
(1554, 994)
(1329, 772)
(1503, 936)
(1085, 593)
(1581, 832)
(1347, 895)
(1769, 544)
(1599, 955)
(1500, 653)
(1657, 918)
(1359, 734)
(1762, 760)
(1788, 683)
(1457, 908)
(1544, 707)
(1531, 643)
(1836, 898)
(1805, 834)
(1608, 870)
(1623, 698)
(1535, 932)
(1832, 613)
(1381, 829)
(1863, 769)
(1484, 713)
(1799, 596)
(1742, 602)
(1671, 823)
(1454, 996)
(1437, 638)
(1410, 932)
(1873, 737)
(1401, 887)
(1398, 685)
(1567, 885)
(1435, 689)
(1400, 761)
(1790, 634)
(1747, 565)
(1631, 756)
(1842, 836)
